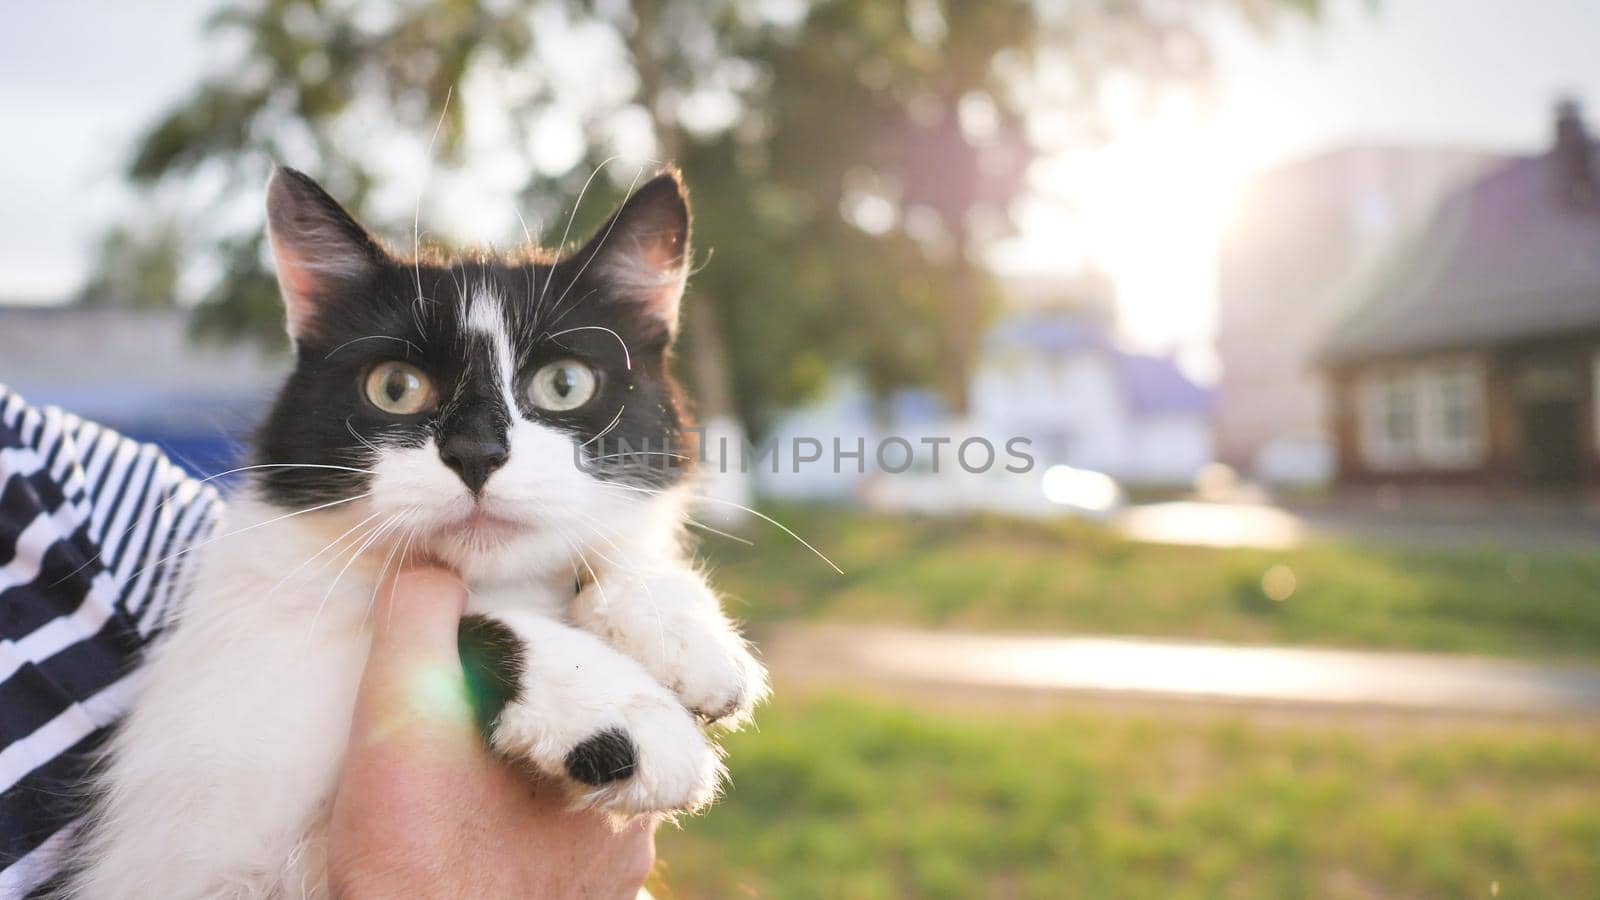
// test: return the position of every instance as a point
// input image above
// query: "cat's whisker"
(366, 543)
(766, 518)
(416, 212)
(576, 547)
(754, 512)
(577, 577)
(601, 531)
(339, 543)
(375, 337)
(377, 583)
(388, 618)
(627, 358)
(641, 577)
(402, 550)
(704, 527)
(602, 242)
(208, 541)
(605, 601)
(355, 434)
(633, 453)
(175, 496)
(286, 466)
(569, 308)
(531, 265)
(607, 430)
(241, 611)
(460, 283)
(420, 308)
(360, 450)
(567, 232)
(314, 557)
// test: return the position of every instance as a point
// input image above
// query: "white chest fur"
(241, 717)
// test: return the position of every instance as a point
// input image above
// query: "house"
(1300, 237)
(1057, 379)
(1061, 380)
(1473, 353)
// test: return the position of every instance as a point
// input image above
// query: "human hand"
(423, 810)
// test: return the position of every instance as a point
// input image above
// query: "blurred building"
(1054, 376)
(1473, 355)
(1062, 380)
(1299, 241)
(137, 372)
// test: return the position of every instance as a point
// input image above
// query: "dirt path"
(973, 666)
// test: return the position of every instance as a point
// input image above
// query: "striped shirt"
(92, 532)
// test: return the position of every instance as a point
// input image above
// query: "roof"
(1503, 259)
(1151, 384)
(917, 406)
(1155, 384)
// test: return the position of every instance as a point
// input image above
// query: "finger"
(418, 611)
(413, 686)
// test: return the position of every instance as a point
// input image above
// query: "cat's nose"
(474, 459)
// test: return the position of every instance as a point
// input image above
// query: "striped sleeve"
(92, 532)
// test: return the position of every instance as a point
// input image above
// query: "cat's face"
(497, 414)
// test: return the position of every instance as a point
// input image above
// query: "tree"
(138, 267)
(849, 161)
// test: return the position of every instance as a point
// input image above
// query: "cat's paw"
(644, 754)
(674, 627)
(656, 761)
(714, 675)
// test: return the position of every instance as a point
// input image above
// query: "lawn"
(992, 573)
(848, 798)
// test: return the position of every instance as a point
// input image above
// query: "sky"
(77, 81)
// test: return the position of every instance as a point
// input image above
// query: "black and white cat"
(442, 408)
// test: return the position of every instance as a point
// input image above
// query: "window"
(1430, 415)
(1452, 411)
(1389, 419)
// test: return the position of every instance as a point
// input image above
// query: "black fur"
(492, 658)
(608, 756)
(369, 312)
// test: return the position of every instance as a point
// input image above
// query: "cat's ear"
(318, 248)
(642, 251)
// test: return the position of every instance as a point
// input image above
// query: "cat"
(512, 418)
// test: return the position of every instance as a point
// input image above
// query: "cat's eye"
(563, 385)
(400, 389)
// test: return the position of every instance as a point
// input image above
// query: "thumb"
(413, 687)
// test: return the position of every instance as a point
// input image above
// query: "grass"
(849, 798)
(994, 573)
